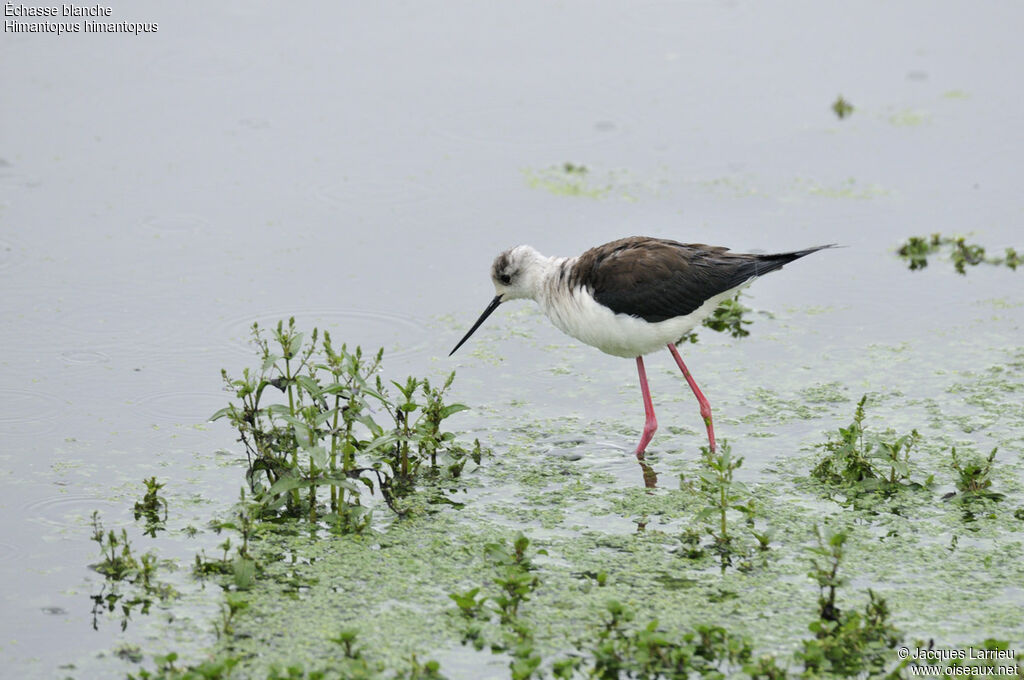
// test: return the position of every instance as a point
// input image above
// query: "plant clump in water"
(842, 108)
(121, 568)
(916, 250)
(150, 507)
(728, 317)
(860, 463)
(314, 454)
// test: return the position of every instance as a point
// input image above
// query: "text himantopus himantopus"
(631, 297)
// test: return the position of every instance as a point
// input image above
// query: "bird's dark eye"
(505, 279)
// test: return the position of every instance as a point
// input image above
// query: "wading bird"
(630, 297)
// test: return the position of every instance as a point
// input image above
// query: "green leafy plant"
(974, 481)
(150, 507)
(859, 462)
(916, 250)
(722, 495)
(728, 317)
(321, 434)
(516, 581)
(846, 643)
(618, 649)
(122, 569)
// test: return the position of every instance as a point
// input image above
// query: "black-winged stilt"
(631, 297)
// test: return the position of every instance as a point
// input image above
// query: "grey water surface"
(358, 165)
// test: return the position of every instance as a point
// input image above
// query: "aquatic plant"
(859, 462)
(325, 436)
(232, 605)
(841, 107)
(118, 561)
(720, 493)
(241, 565)
(120, 566)
(618, 649)
(150, 506)
(167, 669)
(916, 250)
(974, 478)
(846, 643)
(513, 575)
(728, 317)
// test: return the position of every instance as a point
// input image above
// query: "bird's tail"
(769, 263)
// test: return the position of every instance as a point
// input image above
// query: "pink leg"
(705, 407)
(651, 424)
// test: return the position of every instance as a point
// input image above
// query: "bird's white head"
(518, 273)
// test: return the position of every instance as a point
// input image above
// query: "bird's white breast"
(578, 314)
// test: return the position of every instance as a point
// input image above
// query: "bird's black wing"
(657, 279)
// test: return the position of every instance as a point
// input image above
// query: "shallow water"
(359, 166)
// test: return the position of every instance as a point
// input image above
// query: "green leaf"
(296, 344)
(381, 441)
(244, 572)
(270, 361)
(221, 413)
(705, 513)
(286, 484)
(343, 482)
(318, 455)
(279, 410)
(452, 409)
(311, 386)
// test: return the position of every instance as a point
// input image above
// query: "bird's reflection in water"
(650, 476)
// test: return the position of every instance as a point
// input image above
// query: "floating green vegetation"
(728, 317)
(909, 118)
(568, 179)
(845, 643)
(620, 581)
(150, 507)
(352, 664)
(916, 250)
(314, 455)
(842, 108)
(848, 188)
(860, 463)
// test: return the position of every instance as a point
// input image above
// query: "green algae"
(580, 181)
(567, 180)
(910, 118)
(849, 188)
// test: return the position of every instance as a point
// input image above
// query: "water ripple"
(24, 407)
(399, 335)
(75, 510)
(187, 408)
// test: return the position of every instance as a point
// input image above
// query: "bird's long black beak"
(487, 312)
